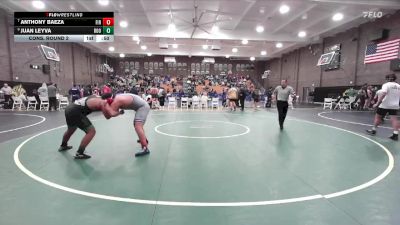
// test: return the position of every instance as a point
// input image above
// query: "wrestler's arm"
(113, 109)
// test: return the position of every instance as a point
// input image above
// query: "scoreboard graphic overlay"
(63, 26)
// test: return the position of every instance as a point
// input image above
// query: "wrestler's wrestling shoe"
(143, 152)
(64, 148)
(394, 137)
(82, 156)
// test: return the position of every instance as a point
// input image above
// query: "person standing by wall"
(7, 90)
(52, 92)
(282, 93)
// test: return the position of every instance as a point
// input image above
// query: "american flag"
(383, 51)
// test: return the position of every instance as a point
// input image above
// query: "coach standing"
(282, 93)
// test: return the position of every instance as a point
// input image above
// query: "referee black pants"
(282, 111)
(52, 103)
(241, 101)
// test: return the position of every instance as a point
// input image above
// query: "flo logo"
(372, 14)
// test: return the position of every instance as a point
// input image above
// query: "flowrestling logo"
(372, 14)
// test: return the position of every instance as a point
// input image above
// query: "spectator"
(7, 90)
(42, 91)
(74, 92)
(36, 95)
(19, 91)
(96, 90)
(161, 96)
(134, 90)
(223, 96)
(87, 91)
(269, 98)
(52, 93)
(362, 95)
(106, 89)
(370, 96)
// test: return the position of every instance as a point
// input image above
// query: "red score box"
(108, 22)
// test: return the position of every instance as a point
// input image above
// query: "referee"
(282, 93)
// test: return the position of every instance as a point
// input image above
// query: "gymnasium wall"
(77, 64)
(255, 72)
(299, 66)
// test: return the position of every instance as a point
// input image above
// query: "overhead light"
(205, 47)
(227, 56)
(169, 60)
(123, 23)
(174, 45)
(302, 34)
(149, 54)
(111, 48)
(103, 2)
(252, 58)
(171, 27)
(245, 41)
(215, 29)
(262, 10)
(304, 17)
(143, 47)
(263, 52)
(72, 7)
(260, 29)
(38, 4)
(279, 45)
(122, 55)
(337, 17)
(284, 9)
(208, 60)
(234, 50)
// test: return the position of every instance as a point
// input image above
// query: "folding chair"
(17, 103)
(346, 104)
(171, 102)
(203, 102)
(195, 102)
(185, 102)
(351, 101)
(31, 103)
(339, 105)
(328, 103)
(215, 103)
(44, 103)
(63, 102)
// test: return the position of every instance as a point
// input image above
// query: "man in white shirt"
(7, 90)
(282, 93)
(388, 103)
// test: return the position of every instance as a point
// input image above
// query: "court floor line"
(31, 125)
(210, 204)
(346, 121)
